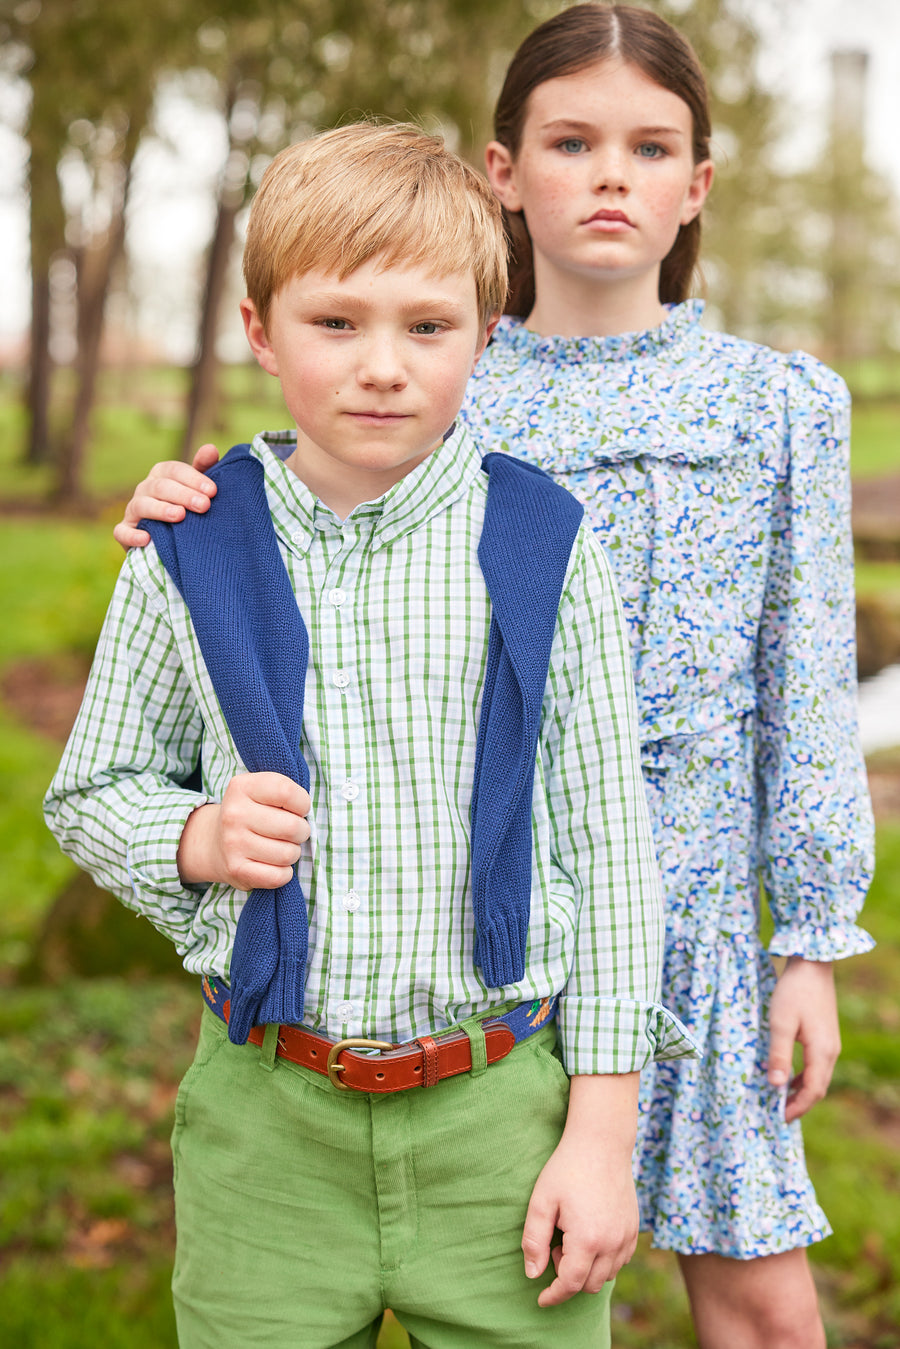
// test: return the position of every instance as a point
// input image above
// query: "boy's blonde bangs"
(363, 191)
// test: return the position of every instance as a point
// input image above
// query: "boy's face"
(373, 370)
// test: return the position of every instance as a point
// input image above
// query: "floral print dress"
(715, 472)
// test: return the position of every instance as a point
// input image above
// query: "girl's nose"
(611, 172)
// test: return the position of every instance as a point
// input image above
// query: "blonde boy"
(317, 1184)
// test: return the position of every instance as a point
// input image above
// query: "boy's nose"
(381, 366)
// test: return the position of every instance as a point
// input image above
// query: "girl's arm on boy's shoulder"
(170, 489)
(586, 1190)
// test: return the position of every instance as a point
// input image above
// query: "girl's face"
(604, 175)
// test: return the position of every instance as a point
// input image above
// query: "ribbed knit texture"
(529, 527)
(227, 566)
(228, 569)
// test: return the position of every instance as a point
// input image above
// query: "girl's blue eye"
(650, 151)
(573, 145)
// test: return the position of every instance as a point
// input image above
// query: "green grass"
(875, 441)
(872, 377)
(88, 1074)
(877, 578)
(55, 581)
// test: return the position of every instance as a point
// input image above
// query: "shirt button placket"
(348, 872)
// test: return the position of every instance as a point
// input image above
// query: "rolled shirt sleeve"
(604, 870)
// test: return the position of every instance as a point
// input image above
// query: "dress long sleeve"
(815, 825)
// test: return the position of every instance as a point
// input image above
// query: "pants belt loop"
(477, 1044)
(269, 1048)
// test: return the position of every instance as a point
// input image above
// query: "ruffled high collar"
(674, 333)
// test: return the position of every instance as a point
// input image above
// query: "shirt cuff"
(619, 1035)
(821, 943)
(159, 891)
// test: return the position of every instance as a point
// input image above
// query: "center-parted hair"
(575, 39)
(364, 191)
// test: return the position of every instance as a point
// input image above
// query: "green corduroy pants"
(303, 1211)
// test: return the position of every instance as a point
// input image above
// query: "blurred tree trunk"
(96, 265)
(232, 194)
(47, 238)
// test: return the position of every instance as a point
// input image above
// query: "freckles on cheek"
(668, 206)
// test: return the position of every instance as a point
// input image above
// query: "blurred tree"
(92, 68)
(25, 48)
(862, 253)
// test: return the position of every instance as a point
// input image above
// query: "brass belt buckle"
(335, 1068)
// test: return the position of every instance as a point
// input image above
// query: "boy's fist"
(252, 839)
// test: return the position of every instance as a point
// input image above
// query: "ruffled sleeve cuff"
(821, 943)
(159, 891)
(619, 1035)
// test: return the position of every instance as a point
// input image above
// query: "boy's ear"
(500, 169)
(256, 336)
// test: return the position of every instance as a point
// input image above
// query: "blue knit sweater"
(230, 573)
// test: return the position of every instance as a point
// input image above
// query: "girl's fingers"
(206, 456)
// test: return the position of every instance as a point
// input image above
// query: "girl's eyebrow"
(572, 124)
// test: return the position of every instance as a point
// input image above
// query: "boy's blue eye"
(425, 329)
(649, 150)
(572, 145)
(337, 324)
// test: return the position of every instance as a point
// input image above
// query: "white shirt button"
(340, 679)
(345, 1011)
(336, 596)
(351, 901)
(350, 791)
(298, 537)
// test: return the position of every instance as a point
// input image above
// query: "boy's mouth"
(369, 418)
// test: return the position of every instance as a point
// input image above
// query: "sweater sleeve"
(816, 830)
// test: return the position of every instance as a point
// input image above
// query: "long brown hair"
(575, 39)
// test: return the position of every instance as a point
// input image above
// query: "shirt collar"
(431, 487)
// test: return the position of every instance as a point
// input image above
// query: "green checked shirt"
(398, 617)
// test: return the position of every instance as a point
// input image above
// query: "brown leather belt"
(419, 1063)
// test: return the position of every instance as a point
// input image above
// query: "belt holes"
(418, 1068)
(282, 1043)
(314, 1053)
(379, 1077)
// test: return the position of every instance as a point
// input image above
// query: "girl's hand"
(252, 840)
(169, 490)
(804, 1011)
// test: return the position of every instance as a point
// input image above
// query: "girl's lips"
(610, 220)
